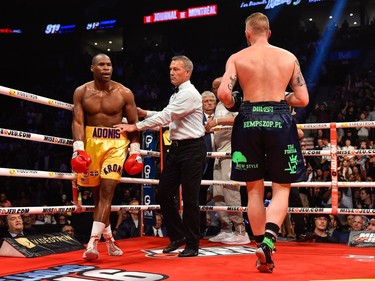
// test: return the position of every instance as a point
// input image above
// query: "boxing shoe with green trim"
(264, 263)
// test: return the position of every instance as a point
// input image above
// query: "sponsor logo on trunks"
(262, 108)
(84, 272)
(206, 252)
(262, 124)
(107, 133)
(114, 168)
(293, 159)
(241, 162)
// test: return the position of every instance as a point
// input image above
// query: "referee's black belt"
(185, 142)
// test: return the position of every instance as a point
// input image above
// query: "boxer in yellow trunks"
(106, 148)
(99, 150)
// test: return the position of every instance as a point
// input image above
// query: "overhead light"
(110, 42)
(310, 19)
(351, 14)
(330, 17)
(95, 43)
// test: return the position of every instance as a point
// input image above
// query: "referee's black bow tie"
(175, 89)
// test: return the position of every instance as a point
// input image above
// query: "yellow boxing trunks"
(108, 149)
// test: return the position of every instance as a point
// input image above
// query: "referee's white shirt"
(183, 114)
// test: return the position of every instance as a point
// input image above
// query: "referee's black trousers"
(184, 165)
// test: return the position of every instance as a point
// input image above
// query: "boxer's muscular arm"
(78, 123)
(134, 163)
(227, 84)
(130, 111)
(300, 96)
(80, 161)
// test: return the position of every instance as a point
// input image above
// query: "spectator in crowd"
(22, 200)
(62, 219)
(371, 224)
(39, 219)
(344, 200)
(158, 229)
(226, 195)
(320, 232)
(362, 132)
(365, 201)
(69, 230)
(337, 230)
(212, 218)
(349, 221)
(15, 227)
(130, 224)
(322, 112)
(209, 104)
(359, 223)
(4, 202)
(28, 220)
(325, 162)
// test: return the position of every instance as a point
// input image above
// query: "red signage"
(170, 15)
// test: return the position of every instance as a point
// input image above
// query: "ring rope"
(12, 172)
(9, 133)
(34, 98)
(315, 126)
(115, 208)
(52, 140)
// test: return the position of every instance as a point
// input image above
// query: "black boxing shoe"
(174, 245)
(264, 262)
(188, 253)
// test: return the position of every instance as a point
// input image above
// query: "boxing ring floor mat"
(143, 260)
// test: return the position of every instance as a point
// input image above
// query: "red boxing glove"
(134, 164)
(81, 160)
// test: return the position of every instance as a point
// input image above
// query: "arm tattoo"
(233, 80)
(300, 81)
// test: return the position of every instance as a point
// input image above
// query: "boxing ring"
(77, 207)
(135, 261)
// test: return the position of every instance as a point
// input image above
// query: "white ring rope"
(115, 208)
(315, 126)
(12, 172)
(34, 98)
(53, 140)
(70, 176)
(69, 142)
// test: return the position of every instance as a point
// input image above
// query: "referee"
(185, 160)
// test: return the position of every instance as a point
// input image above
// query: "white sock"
(107, 233)
(96, 232)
